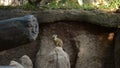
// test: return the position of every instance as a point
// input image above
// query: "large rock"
(57, 58)
(16, 31)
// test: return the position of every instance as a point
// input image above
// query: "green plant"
(67, 4)
(7, 7)
(24, 6)
(28, 6)
(74, 4)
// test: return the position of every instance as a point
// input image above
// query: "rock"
(117, 49)
(57, 58)
(94, 54)
(16, 64)
(26, 62)
(19, 30)
(97, 17)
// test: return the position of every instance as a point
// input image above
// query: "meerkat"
(16, 64)
(57, 41)
(26, 61)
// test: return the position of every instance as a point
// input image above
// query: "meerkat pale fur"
(26, 62)
(16, 64)
(57, 41)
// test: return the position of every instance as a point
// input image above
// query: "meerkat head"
(54, 36)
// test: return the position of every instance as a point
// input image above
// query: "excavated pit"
(88, 45)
